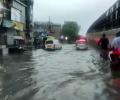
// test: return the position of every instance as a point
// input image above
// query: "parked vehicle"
(38, 42)
(15, 43)
(52, 44)
(81, 44)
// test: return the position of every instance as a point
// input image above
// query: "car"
(52, 44)
(81, 44)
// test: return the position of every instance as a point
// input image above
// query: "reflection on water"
(16, 80)
(60, 75)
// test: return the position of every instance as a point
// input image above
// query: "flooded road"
(67, 74)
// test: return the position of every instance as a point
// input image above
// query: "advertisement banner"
(15, 15)
(7, 23)
(18, 26)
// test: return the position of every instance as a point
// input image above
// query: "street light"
(66, 38)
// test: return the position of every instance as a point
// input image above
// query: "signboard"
(7, 23)
(18, 11)
(15, 15)
(18, 26)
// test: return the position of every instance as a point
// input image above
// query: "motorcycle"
(114, 57)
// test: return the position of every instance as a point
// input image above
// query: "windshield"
(59, 50)
(49, 42)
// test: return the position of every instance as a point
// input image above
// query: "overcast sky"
(84, 12)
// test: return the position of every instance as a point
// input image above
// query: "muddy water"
(67, 74)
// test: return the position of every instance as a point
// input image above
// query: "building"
(29, 18)
(16, 19)
(51, 28)
(56, 30)
(3, 15)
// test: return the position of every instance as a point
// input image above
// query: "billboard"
(15, 14)
(18, 11)
(18, 26)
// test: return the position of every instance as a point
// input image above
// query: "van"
(52, 44)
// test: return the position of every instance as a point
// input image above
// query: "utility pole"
(49, 26)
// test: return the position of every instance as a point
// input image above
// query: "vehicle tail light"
(82, 41)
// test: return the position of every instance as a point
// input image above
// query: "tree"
(70, 29)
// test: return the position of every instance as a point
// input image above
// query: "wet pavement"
(65, 74)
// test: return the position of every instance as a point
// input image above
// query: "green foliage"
(70, 29)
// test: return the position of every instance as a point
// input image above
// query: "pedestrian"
(115, 48)
(104, 45)
(44, 40)
(115, 44)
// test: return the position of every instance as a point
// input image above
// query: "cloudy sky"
(84, 12)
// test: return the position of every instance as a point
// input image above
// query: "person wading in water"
(104, 44)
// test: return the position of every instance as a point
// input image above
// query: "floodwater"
(65, 74)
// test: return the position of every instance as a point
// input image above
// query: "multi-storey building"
(29, 18)
(15, 19)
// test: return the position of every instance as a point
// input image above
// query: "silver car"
(81, 44)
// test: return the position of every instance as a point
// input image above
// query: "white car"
(81, 44)
(52, 44)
